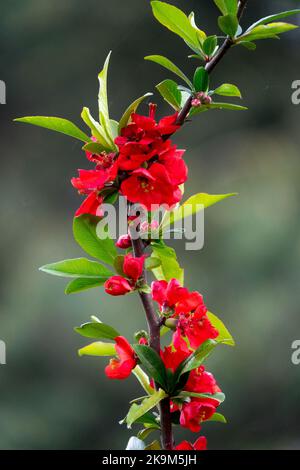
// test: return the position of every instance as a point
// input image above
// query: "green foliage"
(218, 417)
(170, 92)
(196, 359)
(56, 124)
(86, 231)
(103, 102)
(94, 147)
(131, 109)
(209, 45)
(97, 130)
(169, 267)
(164, 62)
(98, 349)
(227, 6)
(152, 363)
(272, 18)
(227, 89)
(207, 107)
(219, 396)
(266, 31)
(78, 267)
(137, 411)
(224, 335)
(83, 283)
(228, 24)
(201, 79)
(97, 330)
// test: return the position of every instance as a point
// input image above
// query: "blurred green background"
(248, 270)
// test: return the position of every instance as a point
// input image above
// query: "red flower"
(151, 187)
(201, 381)
(117, 285)
(173, 355)
(199, 444)
(124, 242)
(90, 180)
(173, 296)
(193, 413)
(133, 267)
(196, 327)
(121, 368)
(171, 158)
(91, 205)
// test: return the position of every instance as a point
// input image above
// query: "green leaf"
(148, 418)
(219, 396)
(227, 6)
(251, 46)
(227, 89)
(228, 24)
(56, 124)
(136, 411)
(267, 31)
(83, 283)
(143, 379)
(201, 79)
(224, 335)
(144, 433)
(209, 45)
(94, 147)
(218, 417)
(118, 264)
(152, 363)
(169, 91)
(97, 331)
(164, 62)
(97, 130)
(170, 267)
(272, 18)
(176, 21)
(102, 101)
(196, 359)
(152, 263)
(200, 34)
(191, 206)
(155, 445)
(229, 106)
(98, 349)
(131, 109)
(78, 267)
(87, 235)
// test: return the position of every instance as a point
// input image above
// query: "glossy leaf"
(155, 445)
(169, 267)
(86, 233)
(83, 283)
(176, 21)
(98, 349)
(196, 359)
(219, 396)
(228, 24)
(94, 147)
(218, 417)
(97, 130)
(103, 102)
(168, 64)
(251, 46)
(136, 411)
(152, 263)
(131, 109)
(224, 335)
(209, 45)
(169, 91)
(227, 89)
(266, 31)
(56, 124)
(229, 106)
(192, 205)
(272, 18)
(97, 330)
(78, 267)
(152, 363)
(201, 79)
(227, 6)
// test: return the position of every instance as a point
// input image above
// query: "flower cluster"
(148, 169)
(121, 285)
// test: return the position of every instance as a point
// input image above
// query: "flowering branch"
(136, 158)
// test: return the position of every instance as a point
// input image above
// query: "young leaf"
(155, 445)
(97, 331)
(227, 89)
(83, 283)
(218, 417)
(201, 34)
(228, 24)
(152, 263)
(164, 62)
(86, 235)
(102, 101)
(78, 267)
(272, 18)
(152, 363)
(169, 91)
(131, 109)
(267, 31)
(196, 359)
(97, 130)
(176, 21)
(251, 46)
(229, 106)
(227, 6)
(219, 396)
(191, 206)
(169, 267)
(136, 411)
(56, 124)
(224, 335)
(209, 45)
(201, 79)
(98, 349)
(94, 147)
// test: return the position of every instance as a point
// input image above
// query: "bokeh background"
(248, 271)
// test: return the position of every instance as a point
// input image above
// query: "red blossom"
(199, 444)
(173, 296)
(91, 205)
(124, 242)
(196, 327)
(121, 367)
(133, 267)
(193, 413)
(117, 285)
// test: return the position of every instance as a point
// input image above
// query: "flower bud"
(124, 242)
(117, 285)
